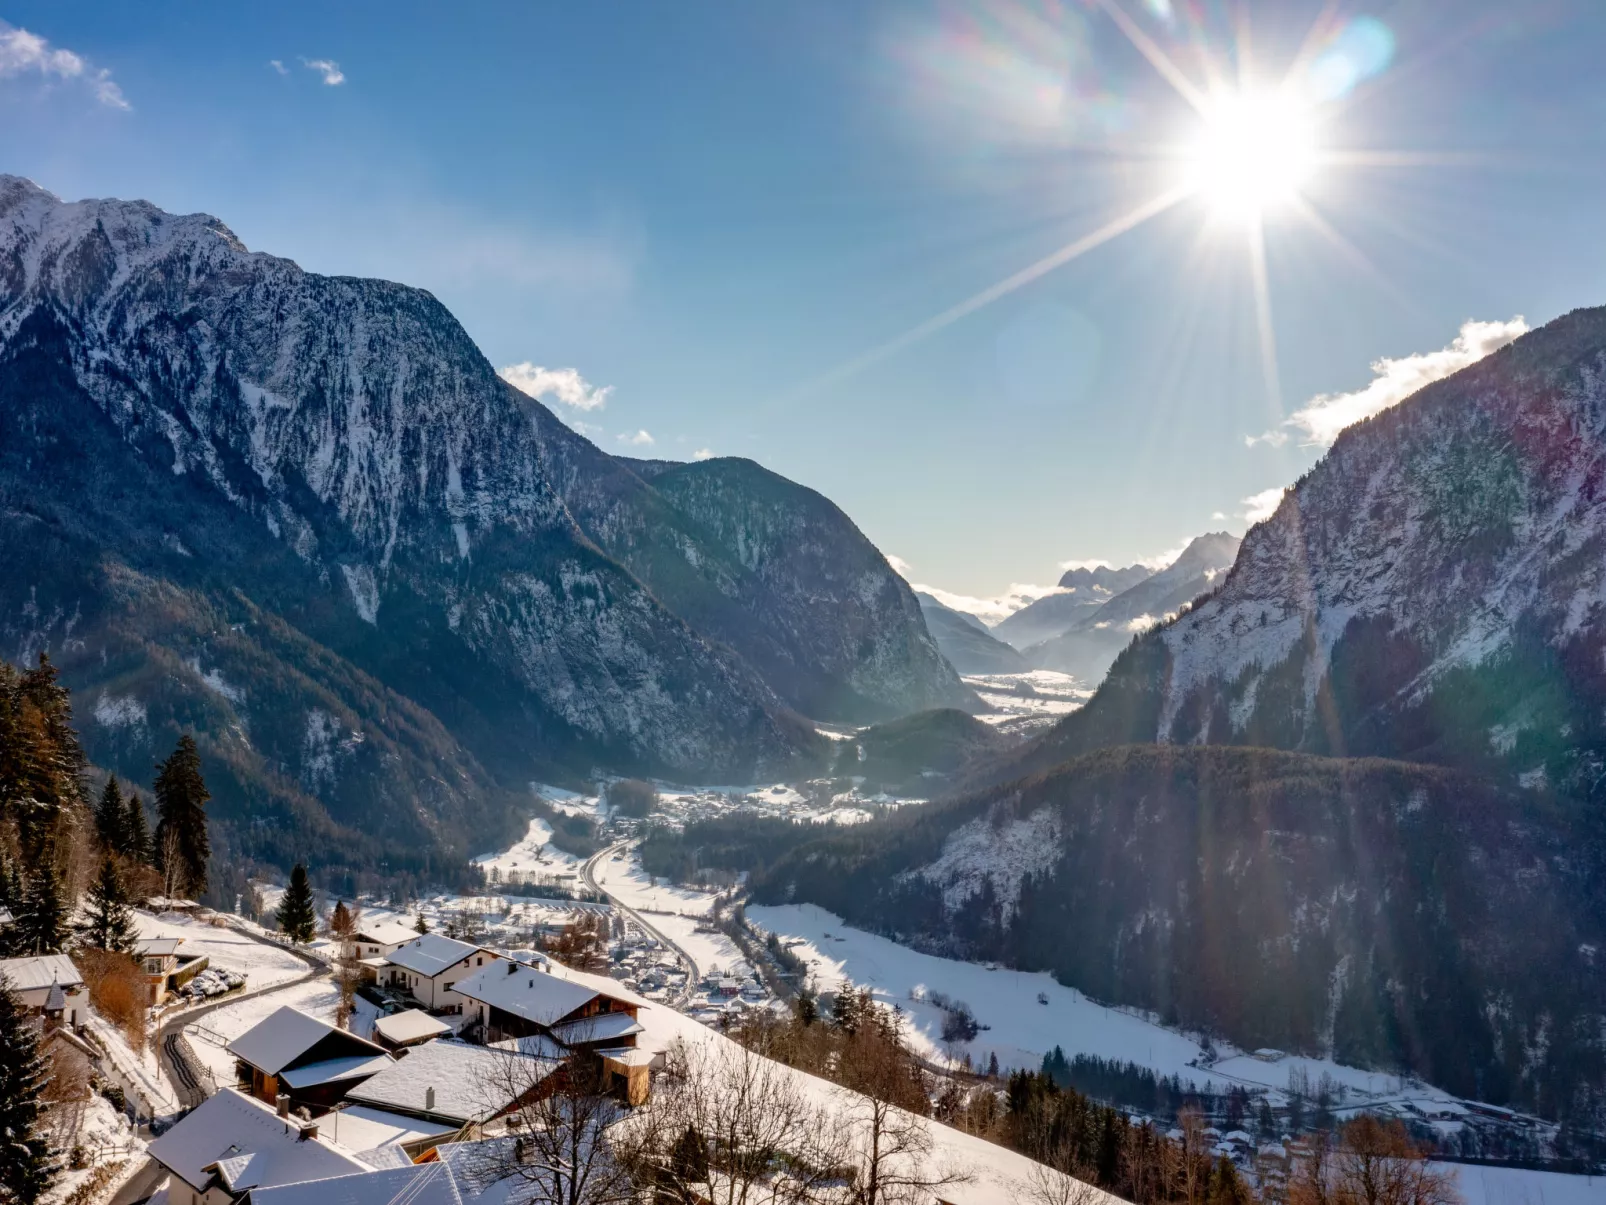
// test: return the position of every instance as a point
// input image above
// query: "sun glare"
(1253, 152)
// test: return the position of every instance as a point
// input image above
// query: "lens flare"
(1254, 151)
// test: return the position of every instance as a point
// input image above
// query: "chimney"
(429, 1097)
(283, 1103)
(512, 968)
(309, 1131)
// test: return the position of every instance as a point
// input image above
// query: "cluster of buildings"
(313, 1103)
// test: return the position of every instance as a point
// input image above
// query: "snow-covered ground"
(262, 965)
(1022, 1029)
(209, 1034)
(104, 1134)
(532, 855)
(678, 912)
(1518, 1186)
(1041, 695)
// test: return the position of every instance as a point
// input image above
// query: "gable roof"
(604, 1027)
(248, 1145)
(335, 1071)
(385, 930)
(429, 954)
(40, 970)
(159, 947)
(527, 992)
(425, 1184)
(466, 1080)
(279, 1039)
(412, 1025)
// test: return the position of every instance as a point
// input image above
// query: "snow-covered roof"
(465, 1079)
(414, 1025)
(39, 970)
(628, 1056)
(248, 1145)
(606, 1027)
(364, 1130)
(535, 1046)
(429, 954)
(5, 916)
(426, 1184)
(528, 992)
(159, 947)
(334, 1071)
(384, 931)
(284, 1036)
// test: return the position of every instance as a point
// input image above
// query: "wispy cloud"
(278, 66)
(703, 454)
(1394, 380)
(638, 439)
(989, 610)
(1157, 562)
(564, 385)
(899, 566)
(333, 76)
(24, 53)
(1263, 505)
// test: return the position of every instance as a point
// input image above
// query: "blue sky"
(713, 211)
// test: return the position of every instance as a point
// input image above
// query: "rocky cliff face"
(189, 420)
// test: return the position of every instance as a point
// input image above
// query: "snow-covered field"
(1021, 1028)
(1518, 1186)
(1042, 695)
(677, 912)
(532, 855)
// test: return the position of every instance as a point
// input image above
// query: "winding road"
(588, 874)
(182, 1069)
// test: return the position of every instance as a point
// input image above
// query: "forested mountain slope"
(303, 515)
(1390, 914)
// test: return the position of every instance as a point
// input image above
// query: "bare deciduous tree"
(892, 1143)
(1372, 1162)
(731, 1127)
(561, 1118)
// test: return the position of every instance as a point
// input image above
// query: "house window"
(448, 987)
(479, 962)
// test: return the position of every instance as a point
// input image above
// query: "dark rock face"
(290, 510)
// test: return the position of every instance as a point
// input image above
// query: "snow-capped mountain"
(191, 421)
(1088, 646)
(1432, 589)
(1081, 592)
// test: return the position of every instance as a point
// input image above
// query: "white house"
(35, 978)
(429, 966)
(375, 938)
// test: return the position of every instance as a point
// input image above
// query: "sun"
(1253, 152)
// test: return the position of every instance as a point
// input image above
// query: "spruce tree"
(420, 925)
(138, 831)
(42, 924)
(111, 924)
(27, 1166)
(111, 818)
(181, 797)
(297, 916)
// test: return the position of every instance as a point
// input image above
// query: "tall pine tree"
(27, 1166)
(297, 916)
(110, 925)
(111, 818)
(181, 835)
(41, 762)
(138, 830)
(42, 924)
